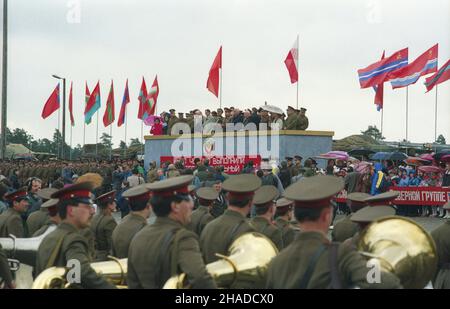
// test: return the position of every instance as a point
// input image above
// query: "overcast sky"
(178, 40)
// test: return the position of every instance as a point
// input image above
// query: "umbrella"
(380, 156)
(360, 152)
(416, 161)
(150, 120)
(272, 109)
(427, 156)
(397, 156)
(430, 169)
(337, 155)
(445, 158)
(441, 153)
(362, 167)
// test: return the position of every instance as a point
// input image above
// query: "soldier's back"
(220, 233)
(11, 223)
(36, 220)
(287, 270)
(272, 232)
(287, 231)
(102, 226)
(200, 217)
(344, 229)
(124, 233)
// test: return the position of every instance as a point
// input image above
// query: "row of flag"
(400, 73)
(147, 99)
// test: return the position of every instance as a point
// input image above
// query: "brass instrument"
(24, 249)
(403, 248)
(246, 264)
(115, 271)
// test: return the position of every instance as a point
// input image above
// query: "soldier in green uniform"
(166, 248)
(132, 223)
(172, 121)
(5, 272)
(283, 218)
(220, 233)
(11, 221)
(303, 122)
(385, 199)
(311, 261)
(265, 211)
(297, 168)
(38, 218)
(290, 165)
(53, 218)
(291, 122)
(202, 215)
(103, 225)
(346, 228)
(65, 243)
(441, 237)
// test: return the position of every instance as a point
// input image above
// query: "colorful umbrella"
(150, 120)
(430, 169)
(427, 156)
(362, 167)
(445, 158)
(416, 161)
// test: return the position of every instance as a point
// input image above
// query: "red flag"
(72, 121)
(291, 62)
(52, 103)
(152, 98)
(142, 99)
(125, 101)
(441, 76)
(213, 78)
(108, 116)
(379, 89)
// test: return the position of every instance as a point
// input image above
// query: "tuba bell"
(24, 249)
(246, 264)
(115, 271)
(402, 247)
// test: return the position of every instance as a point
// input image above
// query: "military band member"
(220, 233)
(131, 224)
(166, 248)
(11, 221)
(283, 218)
(441, 237)
(40, 217)
(265, 211)
(53, 219)
(202, 215)
(66, 243)
(103, 225)
(346, 228)
(311, 261)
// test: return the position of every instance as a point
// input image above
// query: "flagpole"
(59, 142)
(126, 122)
(382, 110)
(220, 91)
(110, 149)
(84, 132)
(406, 137)
(70, 153)
(298, 49)
(435, 115)
(142, 136)
(96, 140)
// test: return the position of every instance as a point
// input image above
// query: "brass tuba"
(246, 264)
(24, 249)
(115, 271)
(403, 248)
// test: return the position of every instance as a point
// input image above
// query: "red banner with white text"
(431, 196)
(232, 164)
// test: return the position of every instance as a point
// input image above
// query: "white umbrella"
(272, 109)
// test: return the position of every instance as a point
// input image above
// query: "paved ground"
(24, 278)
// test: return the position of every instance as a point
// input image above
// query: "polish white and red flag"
(291, 62)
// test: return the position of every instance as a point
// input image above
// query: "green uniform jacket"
(441, 236)
(200, 217)
(90, 238)
(303, 123)
(152, 175)
(162, 250)
(36, 220)
(172, 121)
(219, 234)
(261, 225)
(344, 229)
(72, 246)
(287, 231)
(286, 269)
(103, 226)
(291, 122)
(5, 272)
(44, 228)
(124, 233)
(11, 223)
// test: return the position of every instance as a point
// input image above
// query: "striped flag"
(93, 104)
(379, 90)
(152, 98)
(108, 116)
(441, 76)
(72, 121)
(86, 99)
(291, 62)
(123, 107)
(142, 98)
